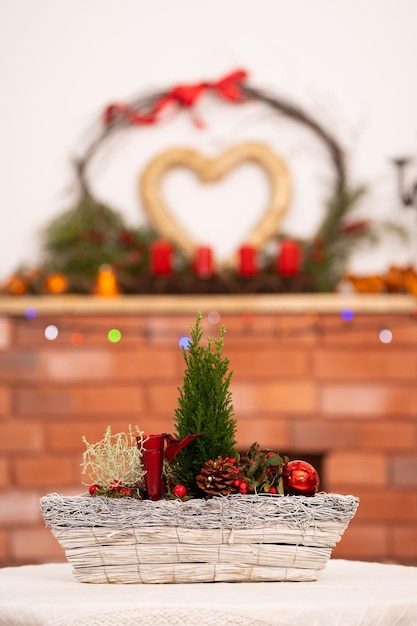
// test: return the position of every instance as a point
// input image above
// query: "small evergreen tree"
(204, 405)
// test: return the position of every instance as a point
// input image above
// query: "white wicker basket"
(236, 538)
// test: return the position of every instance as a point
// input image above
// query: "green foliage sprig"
(326, 255)
(262, 470)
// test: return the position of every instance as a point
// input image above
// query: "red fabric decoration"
(227, 88)
(174, 446)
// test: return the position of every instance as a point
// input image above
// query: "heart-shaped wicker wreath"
(211, 170)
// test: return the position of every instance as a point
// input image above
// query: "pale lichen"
(115, 459)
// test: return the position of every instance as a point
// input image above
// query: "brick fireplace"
(305, 382)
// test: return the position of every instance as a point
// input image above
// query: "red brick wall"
(304, 384)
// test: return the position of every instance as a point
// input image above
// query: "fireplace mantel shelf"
(262, 303)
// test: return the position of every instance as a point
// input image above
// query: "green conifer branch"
(204, 405)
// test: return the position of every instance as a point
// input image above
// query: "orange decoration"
(106, 282)
(395, 280)
(410, 280)
(15, 285)
(367, 284)
(56, 283)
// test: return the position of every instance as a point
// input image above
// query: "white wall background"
(350, 63)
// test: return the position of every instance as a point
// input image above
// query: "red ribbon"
(227, 88)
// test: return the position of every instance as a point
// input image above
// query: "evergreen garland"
(325, 257)
(204, 405)
(91, 234)
(82, 238)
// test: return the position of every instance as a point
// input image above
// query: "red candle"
(161, 258)
(153, 459)
(289, 258)
(203, 264)
(247, 261)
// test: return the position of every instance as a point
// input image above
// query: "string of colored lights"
(384, 331)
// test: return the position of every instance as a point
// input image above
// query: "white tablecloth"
(351, 593)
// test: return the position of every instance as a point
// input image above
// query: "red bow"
(175, 446)
(227, 88)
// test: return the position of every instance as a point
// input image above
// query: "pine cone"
(217, 477)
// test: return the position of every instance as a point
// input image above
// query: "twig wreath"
(232, 88)
(78, 242)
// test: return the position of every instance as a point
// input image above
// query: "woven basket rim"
(234, 511)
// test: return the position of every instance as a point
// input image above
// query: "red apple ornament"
(300, 479)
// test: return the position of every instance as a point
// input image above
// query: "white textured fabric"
(347, 593)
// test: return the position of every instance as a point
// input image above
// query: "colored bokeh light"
(385, 336)
(77, 339)
(248, 318)
(114, 335)
(347, 315)
(51, 332)
(184, 342)
(311, 317)
(213, 317)
(30, 312)
(283, 330)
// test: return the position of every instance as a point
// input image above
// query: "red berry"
(243, 488)
(236, 482)
(126, 491)
(93, 488)
(116, 485)
(180, 491)
(272, 490)
(273, 468)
